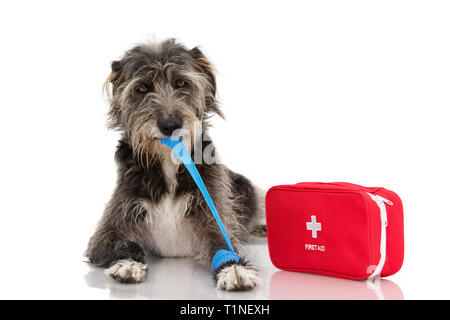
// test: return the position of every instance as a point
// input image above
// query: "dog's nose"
(169, 125)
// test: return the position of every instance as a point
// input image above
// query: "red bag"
(336, 229)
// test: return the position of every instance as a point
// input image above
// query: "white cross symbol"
(314, 226)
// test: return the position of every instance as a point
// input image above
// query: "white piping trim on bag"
(381, 202)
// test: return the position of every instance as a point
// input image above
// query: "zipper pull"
(381, 204)
(389, 202)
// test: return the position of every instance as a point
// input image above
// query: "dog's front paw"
(127, 271)
(237, 278)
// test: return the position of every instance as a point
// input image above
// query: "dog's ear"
(208, 69)
(206, 66)
(116, 69)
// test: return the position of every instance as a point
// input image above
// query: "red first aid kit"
(336, 229)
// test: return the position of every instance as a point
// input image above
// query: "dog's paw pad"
(127, 271)
(237, 278)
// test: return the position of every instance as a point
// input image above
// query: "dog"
(159, 90)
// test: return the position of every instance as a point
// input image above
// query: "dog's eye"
(180, 83)
(142, 88)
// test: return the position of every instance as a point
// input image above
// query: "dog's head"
(160, 90)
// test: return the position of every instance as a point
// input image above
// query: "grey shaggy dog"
(160, 90)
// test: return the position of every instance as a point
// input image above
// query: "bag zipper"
(381, 202)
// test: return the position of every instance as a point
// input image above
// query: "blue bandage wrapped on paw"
(223, 256)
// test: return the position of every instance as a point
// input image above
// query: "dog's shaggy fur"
(156, 208)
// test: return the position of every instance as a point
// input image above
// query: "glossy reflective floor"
(180, 278)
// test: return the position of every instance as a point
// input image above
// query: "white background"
(353, 91)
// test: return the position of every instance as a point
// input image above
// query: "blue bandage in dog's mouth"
(179, 151)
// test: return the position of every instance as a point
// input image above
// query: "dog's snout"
(169, 125)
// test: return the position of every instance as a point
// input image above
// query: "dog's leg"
(237, 206)
(241, 276)
(124, 259)
(259, 228)
(230, 276)
(252, 201)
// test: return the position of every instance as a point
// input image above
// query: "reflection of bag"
(336, 229)
(302, 286)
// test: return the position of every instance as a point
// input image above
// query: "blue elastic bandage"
(180, 152)
(223, 256)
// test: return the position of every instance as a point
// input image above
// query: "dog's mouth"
(171, 137)
(149, 135)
